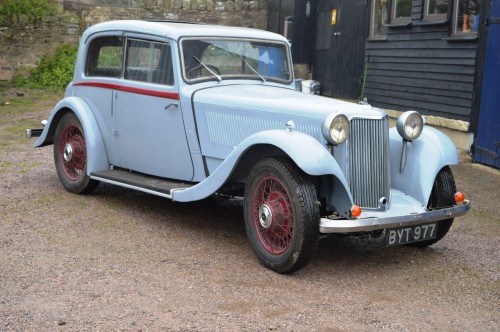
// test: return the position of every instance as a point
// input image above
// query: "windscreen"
(221, 59)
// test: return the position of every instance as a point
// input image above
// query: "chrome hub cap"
(265, 216)
(68, 152)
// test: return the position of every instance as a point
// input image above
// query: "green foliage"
(110, 57)
(11, 10)
(52, 73)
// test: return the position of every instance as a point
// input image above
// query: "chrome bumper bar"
(371, 224)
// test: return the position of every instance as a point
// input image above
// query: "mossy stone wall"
(22, 45)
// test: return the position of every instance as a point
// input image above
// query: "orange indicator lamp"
(355, 211)
(459, 197)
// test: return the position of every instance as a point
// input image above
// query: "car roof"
(176, 30)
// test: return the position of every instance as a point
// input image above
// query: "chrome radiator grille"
(368, 162)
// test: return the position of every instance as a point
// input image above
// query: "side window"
(149, 62)
(105, 57)
(466, 16)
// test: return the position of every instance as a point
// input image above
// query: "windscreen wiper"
(252, 69)
(208, 69)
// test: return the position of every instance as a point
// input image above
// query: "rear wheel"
(442, 195)
(70, 156)
(281, 215)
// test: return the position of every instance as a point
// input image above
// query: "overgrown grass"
(21, 109)
(15, 101)
(52, 72)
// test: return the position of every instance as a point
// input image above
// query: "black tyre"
(442, 195)
(281, 215)
(70, 156)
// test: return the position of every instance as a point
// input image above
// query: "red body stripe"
(140, 91)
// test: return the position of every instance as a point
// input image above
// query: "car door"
(149, 125)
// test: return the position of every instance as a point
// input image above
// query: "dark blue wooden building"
(440, 57)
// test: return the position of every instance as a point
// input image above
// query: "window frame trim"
(85, 72)
(372, 35)
(437, 18)
(153, 41)
(454, 33)
(188, 81)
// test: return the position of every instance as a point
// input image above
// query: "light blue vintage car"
(185, 111)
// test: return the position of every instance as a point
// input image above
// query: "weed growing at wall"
(52, 73)
(12, 10)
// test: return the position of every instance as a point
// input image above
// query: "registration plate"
(410, 234)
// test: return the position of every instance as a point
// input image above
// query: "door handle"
(172, 104)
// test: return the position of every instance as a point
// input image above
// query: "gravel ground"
(124, 260)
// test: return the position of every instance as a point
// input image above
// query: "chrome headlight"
(336, 128)
(410, 125)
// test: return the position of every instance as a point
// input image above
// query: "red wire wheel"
(70, 156)
(273, 215)
(72, 152)
(281, 214)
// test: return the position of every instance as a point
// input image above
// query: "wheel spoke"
(74, 164)
(278, 236)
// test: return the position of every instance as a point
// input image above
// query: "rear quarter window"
(105, 57)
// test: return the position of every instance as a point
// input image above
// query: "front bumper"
(371, 224)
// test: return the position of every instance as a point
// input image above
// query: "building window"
(379, 18)
(401, 11)
(466, 16)
(435, 10)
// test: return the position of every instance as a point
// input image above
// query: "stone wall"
(22, 45)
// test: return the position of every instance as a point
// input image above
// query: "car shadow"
(220, 220)
(213, 214)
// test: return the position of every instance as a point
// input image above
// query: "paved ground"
(123, 260)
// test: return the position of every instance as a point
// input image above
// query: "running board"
(141, 182)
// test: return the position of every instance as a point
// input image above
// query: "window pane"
(467, 15)
(380, 10)
(105, 57)
(402, 8)
(235, 58)
(436, 7)
(149, 62)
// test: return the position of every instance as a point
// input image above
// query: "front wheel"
(442, 195)
(281, 215)
(70, 156)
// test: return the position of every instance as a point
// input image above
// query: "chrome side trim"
(370, 224)
(129, 186)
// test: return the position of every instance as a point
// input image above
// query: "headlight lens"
(410, 125)
(336, 128)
